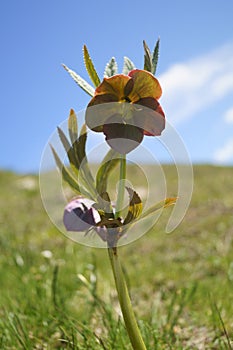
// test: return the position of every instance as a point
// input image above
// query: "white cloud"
(191, 86)
(228, 116)
(225, 153)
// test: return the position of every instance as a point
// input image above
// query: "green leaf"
(128, 66)
(73, 126)
(68, 148)
(79, 147)
(90, 67)
(80, 144)
(155, 57)
(66, 175)
(80, 81)
(110, 161)
(135, 206)
(163, 204)
(111, 68)
(147, 58)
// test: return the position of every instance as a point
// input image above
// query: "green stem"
(121, 188)
(125, 303)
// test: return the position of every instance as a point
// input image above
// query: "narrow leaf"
(80, 81)
(80, 144)
(68, 148)
(64, 139)
(155, 57)
(90, 67)
(163, 204)
(79, 147)
(147, 58)
(135, 206)
(111, 68)
(110, 161)
(128, 66)
(73, 126)
(66, 175)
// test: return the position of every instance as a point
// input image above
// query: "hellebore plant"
(124, 107)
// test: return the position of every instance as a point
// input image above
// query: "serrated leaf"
(68, 148)
(147, 58)
(155, 57)
(128, 66)
(80, 81)
(66, 175)
(90, 67)
(111, 68)
(73, 126)
(163, 204)
(110, 161)
(135, 206)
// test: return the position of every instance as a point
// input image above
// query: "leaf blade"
(163, 204)
(155, 56)
(73, 126)
(90, 67)
(68, 148)
(128, 66)
(147, 57)
(66, 175)
(111, 68)
(79, 147)
(80, 81)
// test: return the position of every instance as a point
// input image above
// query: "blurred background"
(195, 69)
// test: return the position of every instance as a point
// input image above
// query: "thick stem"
(125, 302)
(121, 188)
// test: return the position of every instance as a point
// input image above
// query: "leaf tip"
(65, 67)
(72, 111)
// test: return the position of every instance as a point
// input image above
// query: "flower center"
(126, 99)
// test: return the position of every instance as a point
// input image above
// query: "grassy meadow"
(55, 294)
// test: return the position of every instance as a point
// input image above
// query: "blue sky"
(195, 68)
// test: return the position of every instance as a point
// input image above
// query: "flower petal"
(145, 85)
(114, 85)
(122, 137)
(78, 217)
(98, 111)
(149, 102)
(152, 122)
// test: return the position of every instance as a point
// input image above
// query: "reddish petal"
(122, 137)
(105, 98)
(113, 86)
(151, 121)
(154, 124)
(145, 85)
(149, 102)
(99, 109)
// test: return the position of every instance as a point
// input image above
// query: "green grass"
(181, 284)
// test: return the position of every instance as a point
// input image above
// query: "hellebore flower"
(81, 215)
(125, 108)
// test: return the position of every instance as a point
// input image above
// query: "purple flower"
(79, 215)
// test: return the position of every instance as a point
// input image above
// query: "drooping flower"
(81, 215)
(125, 108)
